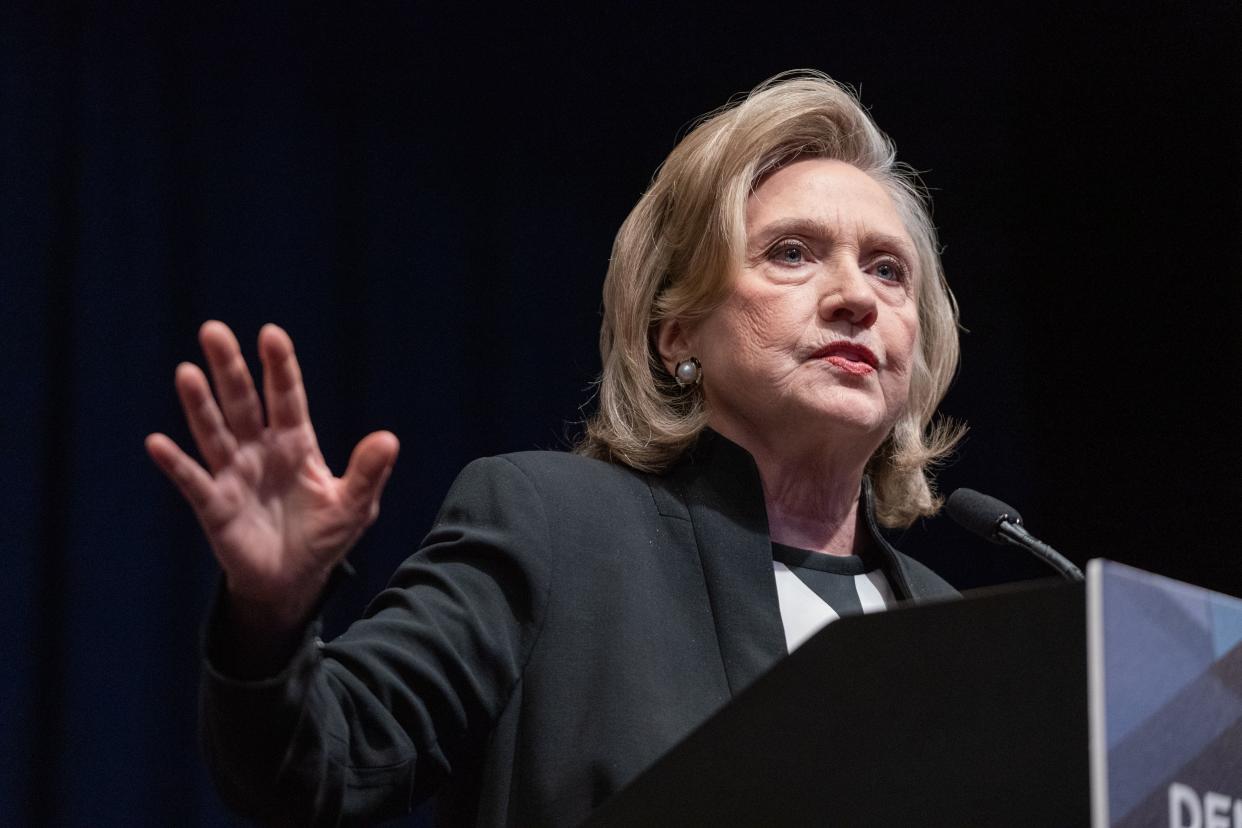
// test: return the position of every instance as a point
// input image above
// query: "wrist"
(275, 608)
(265, 627)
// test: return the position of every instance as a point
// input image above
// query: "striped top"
(816, 589)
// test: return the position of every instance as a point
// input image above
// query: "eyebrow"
(817, 229)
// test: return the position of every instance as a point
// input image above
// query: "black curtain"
(425, 197)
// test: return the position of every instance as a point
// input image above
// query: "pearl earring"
(689, 372)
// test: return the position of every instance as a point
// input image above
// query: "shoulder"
(563, 465)
(556, 472)
(551, 505)
(559, 481)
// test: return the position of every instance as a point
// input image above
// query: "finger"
(211, 434)
(282, 379)
(370, 466)
(234, 386)
(193, 481)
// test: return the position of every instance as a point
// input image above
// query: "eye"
(890, 270)
(789, 253)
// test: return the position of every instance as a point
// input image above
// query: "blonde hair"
(675, 255)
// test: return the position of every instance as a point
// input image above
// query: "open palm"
(276, 517)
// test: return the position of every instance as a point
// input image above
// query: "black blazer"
(565, 622)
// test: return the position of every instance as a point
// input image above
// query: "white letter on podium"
(1184, 802)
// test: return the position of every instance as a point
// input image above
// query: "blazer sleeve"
(367, 725)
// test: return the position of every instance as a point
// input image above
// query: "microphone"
(998, 522)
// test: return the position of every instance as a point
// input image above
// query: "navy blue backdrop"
(426, 198)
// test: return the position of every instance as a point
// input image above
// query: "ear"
(673, 341)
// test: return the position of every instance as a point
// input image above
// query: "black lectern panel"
(965, 713)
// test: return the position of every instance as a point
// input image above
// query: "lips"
(849, 357)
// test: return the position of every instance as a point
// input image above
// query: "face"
(818, 334)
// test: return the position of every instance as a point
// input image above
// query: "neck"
(812, 490)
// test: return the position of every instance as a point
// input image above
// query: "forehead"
(825, 191)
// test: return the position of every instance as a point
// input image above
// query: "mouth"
(849, 357)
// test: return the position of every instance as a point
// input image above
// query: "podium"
(1117, 702)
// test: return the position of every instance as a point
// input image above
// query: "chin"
(852, 414)
(860, 425)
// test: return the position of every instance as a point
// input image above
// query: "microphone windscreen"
(980, 513)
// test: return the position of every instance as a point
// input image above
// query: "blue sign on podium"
(1165, 674)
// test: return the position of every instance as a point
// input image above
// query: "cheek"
(901, 336)
(744, 329)
(901, 346)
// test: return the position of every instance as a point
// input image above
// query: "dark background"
(426, 199)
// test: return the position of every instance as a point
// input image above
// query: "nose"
(848, 296)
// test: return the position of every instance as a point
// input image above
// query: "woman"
(777, 334)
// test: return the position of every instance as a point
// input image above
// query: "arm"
(364, 726)
(371, 723)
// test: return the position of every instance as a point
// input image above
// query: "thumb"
(369, 467)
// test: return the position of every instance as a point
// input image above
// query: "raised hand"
(276, 517)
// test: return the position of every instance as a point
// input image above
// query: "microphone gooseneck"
(998, 522)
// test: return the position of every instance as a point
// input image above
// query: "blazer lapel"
(910, 580)
(725, 499)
